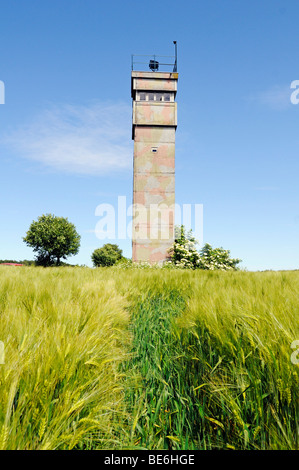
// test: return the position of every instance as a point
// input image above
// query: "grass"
(153, 359)
(242, 326)
(64, 339)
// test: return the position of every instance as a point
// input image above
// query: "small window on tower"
(159, 97)
(142, 96)
(151, 96)
(167, 97)
(154, 149)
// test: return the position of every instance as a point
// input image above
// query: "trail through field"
(158, 402)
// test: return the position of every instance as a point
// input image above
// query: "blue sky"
(65, 127)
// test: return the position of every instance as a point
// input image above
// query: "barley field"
(114, 358)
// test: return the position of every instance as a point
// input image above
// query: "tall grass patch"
(65, 334)
(238, 328)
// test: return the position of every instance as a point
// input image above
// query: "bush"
(216, 258)
(183, 254)
(107, 255)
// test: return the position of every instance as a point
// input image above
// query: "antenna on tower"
(175, 67)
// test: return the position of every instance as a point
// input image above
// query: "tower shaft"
(153, 131)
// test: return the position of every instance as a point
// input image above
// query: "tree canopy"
(53, 239)
(107, 255)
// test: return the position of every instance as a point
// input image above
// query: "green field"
(114, 358)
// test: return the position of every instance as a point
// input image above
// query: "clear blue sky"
(65, 127)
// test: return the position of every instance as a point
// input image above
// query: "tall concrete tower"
(153, 131)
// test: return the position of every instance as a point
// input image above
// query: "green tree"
(107, 255)
(53, 239)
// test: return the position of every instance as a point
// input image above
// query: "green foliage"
(216, 258)
(183, 254)
(26, 262)
(107, 255)
(52, 238)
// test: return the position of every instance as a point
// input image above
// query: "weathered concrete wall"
(154, 81)
(156, 114)
(154, 126)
